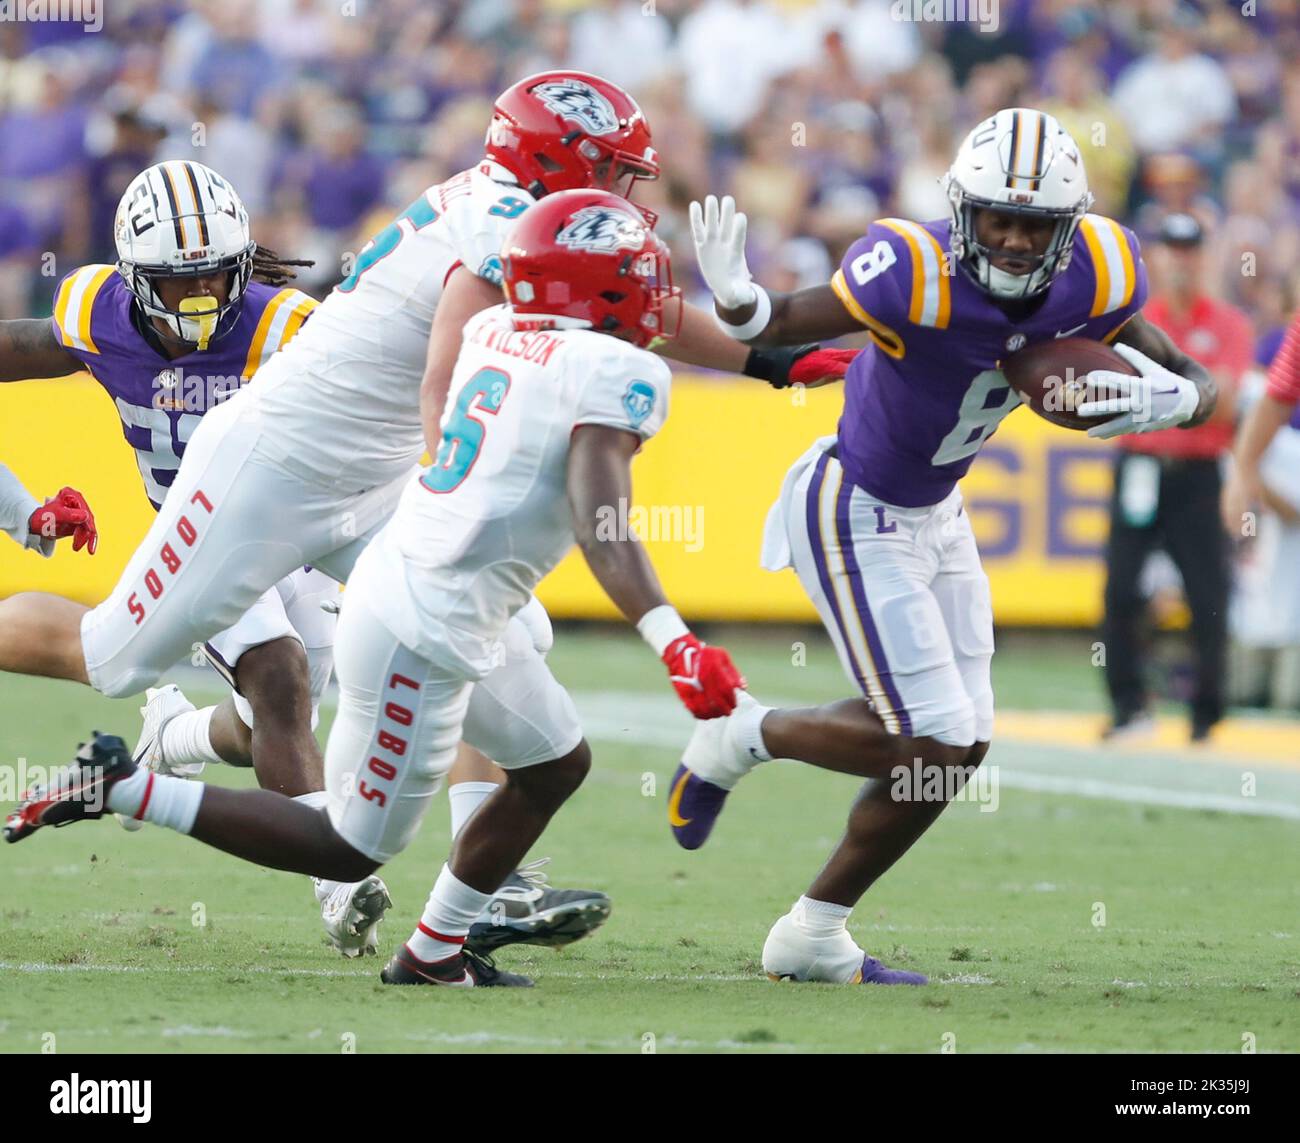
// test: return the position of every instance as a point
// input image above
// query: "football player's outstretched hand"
(719, 235)
(66, 514)
(704, 677)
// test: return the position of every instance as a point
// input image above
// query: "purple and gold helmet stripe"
(198, 203)
(1013, 158)
(173, 202)
(1016, 173)
(1039, 147)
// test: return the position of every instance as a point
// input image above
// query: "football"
(1050, 377)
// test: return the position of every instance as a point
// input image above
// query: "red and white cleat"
(78, 792)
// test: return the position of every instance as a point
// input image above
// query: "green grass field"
(100, 948)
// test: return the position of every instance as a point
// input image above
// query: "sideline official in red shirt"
(1167, 487)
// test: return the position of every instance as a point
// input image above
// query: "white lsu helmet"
(182, 219)
(1024, 162)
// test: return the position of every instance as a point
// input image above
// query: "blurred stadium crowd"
(329, 116)
(819, 115)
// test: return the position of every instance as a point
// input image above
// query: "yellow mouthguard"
(204, 311)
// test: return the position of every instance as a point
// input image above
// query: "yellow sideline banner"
(1037, 496)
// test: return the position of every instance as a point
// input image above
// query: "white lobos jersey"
(345, 404)
(477, 531)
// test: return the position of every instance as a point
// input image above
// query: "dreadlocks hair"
(272, 270)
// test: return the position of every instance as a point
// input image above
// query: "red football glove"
(820, 364)
(66, 514)
(704, 677)
(784, 365)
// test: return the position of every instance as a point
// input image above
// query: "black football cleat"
(78, 792)
(526, 910)
(465, 970)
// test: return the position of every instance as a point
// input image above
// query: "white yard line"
(628, 718)
(1147, 795)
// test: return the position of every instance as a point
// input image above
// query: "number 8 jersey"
(477, 531)
(927, 393)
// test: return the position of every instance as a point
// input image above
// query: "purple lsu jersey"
(160, 401)
(927, 392)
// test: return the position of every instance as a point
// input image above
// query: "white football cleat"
(790, 953)
(162, 704)
(351, 912)
(793, 952)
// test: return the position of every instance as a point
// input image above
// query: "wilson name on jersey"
(477, 531)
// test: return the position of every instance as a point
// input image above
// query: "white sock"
(747, 730)
(186, 737)
(465, 798)
(452, 907)
(820, 918)
(158, 798)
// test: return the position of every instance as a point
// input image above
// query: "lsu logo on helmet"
(602, 231)
(579, 103)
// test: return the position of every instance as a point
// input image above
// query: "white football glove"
(1158, 399)
(719, 234)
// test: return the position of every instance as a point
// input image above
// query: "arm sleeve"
(626, 391)
(1284, 373)
(16, 508)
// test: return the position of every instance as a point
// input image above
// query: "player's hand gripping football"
(66, 514)
(1158, 399)
(719, 234)
(704, 677)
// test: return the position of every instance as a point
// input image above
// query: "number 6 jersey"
(927, 393)
(477, 531)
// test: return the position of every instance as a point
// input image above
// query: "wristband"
(756, 324)
(660, 626)
(774, 365)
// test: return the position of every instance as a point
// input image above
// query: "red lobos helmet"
(588, 259)
(563, 130)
